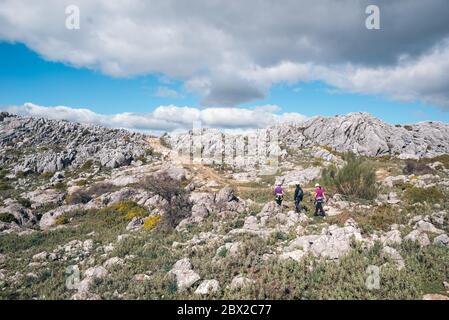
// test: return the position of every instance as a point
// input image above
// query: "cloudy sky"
(159, 65)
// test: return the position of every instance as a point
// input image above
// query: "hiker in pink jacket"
(320, 197)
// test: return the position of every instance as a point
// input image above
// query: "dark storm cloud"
(233, 51)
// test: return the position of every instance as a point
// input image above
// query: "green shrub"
(7, 217)
(258, 195)
(100, 188)
(24, 202)
(149, 151)
(381, 219)
(81, 183)
(223, 252)
(444, 159)
(3, 173)
(126, 209)
(61, 186)
(151, 222)
(20, 174)
(177, 205)
(163, 140)
(78, 197)
(4, 186)
(61, 220)
(420, 195)
(47, 175)
(87, 165)
(357, 179)
(239, 223)
(282, 236)
(416, 167)
(268, 179)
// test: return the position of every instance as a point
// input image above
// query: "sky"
(163, 65)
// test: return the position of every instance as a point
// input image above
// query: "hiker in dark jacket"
(299, 195)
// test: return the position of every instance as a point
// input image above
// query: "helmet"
(317, 185)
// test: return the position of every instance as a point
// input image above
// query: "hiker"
(279, 194)
(319, 199)
(299, 195)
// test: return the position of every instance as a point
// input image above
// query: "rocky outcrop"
(357, 132)
(365, 134)
(52, 145)
(185, 276)
(21, 216)
(391, 253)
(240, 282)
(332, 243)
(207, 287)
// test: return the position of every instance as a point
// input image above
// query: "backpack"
(300, 194)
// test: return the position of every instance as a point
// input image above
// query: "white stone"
(395, 256)
(420, 237)
(240, 282)
(207, 287)
(113, 262)
(185, 276)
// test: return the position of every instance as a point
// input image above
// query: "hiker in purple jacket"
(279, 194)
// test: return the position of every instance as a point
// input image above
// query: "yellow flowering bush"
(151, 222)
(128, 209)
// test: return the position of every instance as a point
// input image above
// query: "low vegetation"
(127, 210)
(443, 159)
(356, 179)
(7, 217)
(78, 197)
(151, 222)
(176, 204)
(420, 195)
(273, 279)
(416, 167)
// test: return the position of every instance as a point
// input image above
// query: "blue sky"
(162, 64)
(26, 77)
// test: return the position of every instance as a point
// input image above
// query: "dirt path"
(199, 169)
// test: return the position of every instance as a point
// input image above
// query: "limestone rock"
(207, 287)
(418, 236)
(240, 282)
(395, 256)
(442, 240)
(185, 276)
(392, 238)
(113, 262)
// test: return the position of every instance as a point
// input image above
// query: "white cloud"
(165, 118)
(181, 115)
(166, 92)
(425, 78)
(234, 54)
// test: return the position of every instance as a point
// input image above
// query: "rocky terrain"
(93, 213)
(47, 146)
(360, 133)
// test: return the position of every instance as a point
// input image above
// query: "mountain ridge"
(46, 145)
(360, 133)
